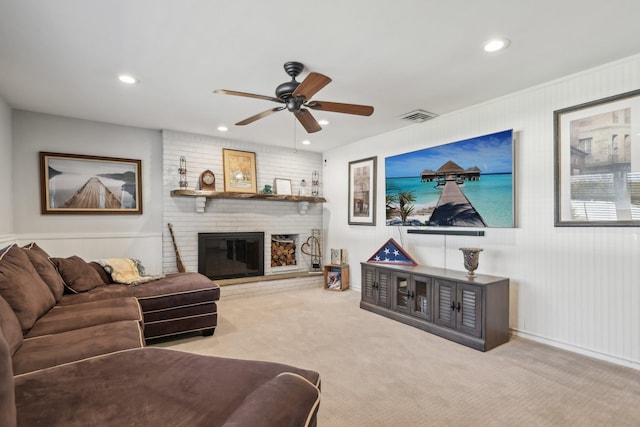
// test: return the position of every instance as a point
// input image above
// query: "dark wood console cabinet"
(473, 311)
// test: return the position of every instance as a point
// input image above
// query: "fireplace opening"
(231, 255)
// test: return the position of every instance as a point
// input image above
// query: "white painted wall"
(6, 175)
(89, 236)
(233, 215)
(571, 287)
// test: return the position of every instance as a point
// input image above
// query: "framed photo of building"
(597, 163)
(78, 184)
(362, 191)
(239, 171)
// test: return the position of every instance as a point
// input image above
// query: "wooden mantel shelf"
(251, 196)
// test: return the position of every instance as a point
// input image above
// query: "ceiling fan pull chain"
(295, 137)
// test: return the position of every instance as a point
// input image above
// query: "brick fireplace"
(272, 218)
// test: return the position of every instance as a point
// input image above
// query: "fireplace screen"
(231, 255)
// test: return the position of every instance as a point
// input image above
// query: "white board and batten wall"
(572, 287)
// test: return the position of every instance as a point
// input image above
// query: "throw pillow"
(77, 274)
(23, 288)
(40, 260)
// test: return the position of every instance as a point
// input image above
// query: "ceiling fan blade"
(337, 107)
(259, 116)
(311, 84)
(307, 121)
(248, 95)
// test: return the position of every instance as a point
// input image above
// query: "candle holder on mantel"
(470, 256)
(182, 172)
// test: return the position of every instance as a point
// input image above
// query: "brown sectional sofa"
(70, 305)
(72, 344)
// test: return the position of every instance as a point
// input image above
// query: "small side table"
(336, 277)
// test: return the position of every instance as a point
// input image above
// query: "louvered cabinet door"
(369, 292)
(444, 295)
(469, 309)
(375, 286)
(384, 283)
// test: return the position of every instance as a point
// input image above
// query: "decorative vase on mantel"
(471, 256)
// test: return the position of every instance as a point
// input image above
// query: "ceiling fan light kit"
(296, 95)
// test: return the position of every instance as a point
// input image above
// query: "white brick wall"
(229, 215)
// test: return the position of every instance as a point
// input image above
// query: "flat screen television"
(467, 183)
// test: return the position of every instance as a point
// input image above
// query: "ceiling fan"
(296, 95)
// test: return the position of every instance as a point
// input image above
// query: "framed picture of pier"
(468, 183)
(362, 191)
(239, 171)
(597, 163)
(78, 184)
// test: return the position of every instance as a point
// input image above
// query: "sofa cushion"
(10, 326)
(51, 350)
(7, 392)
(23, 288)
(62, 318)
(45, 268)
(97, 294)
(103, 274)
(150, 387)
(77, 274)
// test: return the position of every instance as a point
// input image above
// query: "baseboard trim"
(634, 364)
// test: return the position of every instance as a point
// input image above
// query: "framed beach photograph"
(362, 191)
(282, 186)
(468, 183)
(239, 171)
(78, 184)
(597, 163)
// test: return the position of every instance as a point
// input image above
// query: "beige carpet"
(378, 372)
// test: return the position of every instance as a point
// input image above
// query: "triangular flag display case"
(392, 253)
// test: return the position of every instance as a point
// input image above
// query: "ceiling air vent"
(418, 116)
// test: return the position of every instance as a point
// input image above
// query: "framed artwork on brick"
(239, 171)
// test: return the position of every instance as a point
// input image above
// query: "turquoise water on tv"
(491, 196)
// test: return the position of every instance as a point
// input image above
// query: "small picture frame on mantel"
(282, 186)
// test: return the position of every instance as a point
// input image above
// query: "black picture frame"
(81, 184)
(362, 191)
(597, 163)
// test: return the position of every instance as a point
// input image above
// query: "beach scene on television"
(466, 183)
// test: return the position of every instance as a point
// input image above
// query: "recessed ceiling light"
(306, 142)
(223, 128)
(323, 122)
(496, 44)
(126, 78)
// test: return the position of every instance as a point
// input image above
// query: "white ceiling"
(63, 57)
